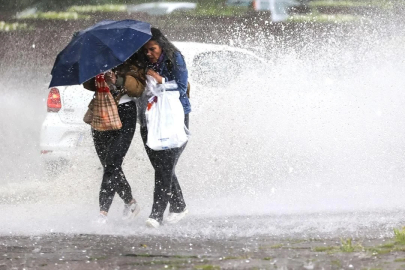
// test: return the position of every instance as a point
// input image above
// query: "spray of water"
(316, 132)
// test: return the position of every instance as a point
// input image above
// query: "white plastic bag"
(165, 117)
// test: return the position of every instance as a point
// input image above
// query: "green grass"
(171, 263)
(396, 246)
(204, 8)
(388, 245)
(350, 4)
(346, 245)
(231, 258)
(324, 249)
(217, 8)
(399, 235)
(207, 267)
(53, 15)
(97, 8)
(339, 3)
(7, 27)
(379, 251)
(324, 18)
(162, 256)
(399, 248)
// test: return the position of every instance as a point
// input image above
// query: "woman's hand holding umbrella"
(110, 77)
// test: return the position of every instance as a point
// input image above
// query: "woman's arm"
(132, 81)
(180, 73)
(133, 86)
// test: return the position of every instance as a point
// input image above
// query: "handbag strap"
(101, 85)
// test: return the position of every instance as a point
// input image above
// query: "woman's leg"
(114, 179)
(156, 161)
(102, 142)
(164, 171)
(177, 203)
(166, 183)
(176, 200)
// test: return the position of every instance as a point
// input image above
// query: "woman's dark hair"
(164, 43)
(138, 59)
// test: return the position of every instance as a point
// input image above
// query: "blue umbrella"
(97, 49)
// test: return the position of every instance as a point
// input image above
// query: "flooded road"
(151, 251)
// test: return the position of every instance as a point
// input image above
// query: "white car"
(63, 132)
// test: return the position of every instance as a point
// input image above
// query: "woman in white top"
(125, 82)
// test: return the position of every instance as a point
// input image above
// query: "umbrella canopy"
(97, 49)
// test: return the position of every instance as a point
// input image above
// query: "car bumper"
(64, 140)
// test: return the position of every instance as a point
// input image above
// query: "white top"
(125, 98)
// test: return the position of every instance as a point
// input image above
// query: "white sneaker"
(102, 219)
(176, 217)
(152, 223)
(130, 211)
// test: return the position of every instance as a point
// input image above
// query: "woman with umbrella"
(95, 50)
(165, 63)
(127, 81)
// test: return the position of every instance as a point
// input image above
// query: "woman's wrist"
(119, 86)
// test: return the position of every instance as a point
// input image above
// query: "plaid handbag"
(88, 116)
(105, 111)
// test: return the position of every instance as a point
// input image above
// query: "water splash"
(317, 131)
